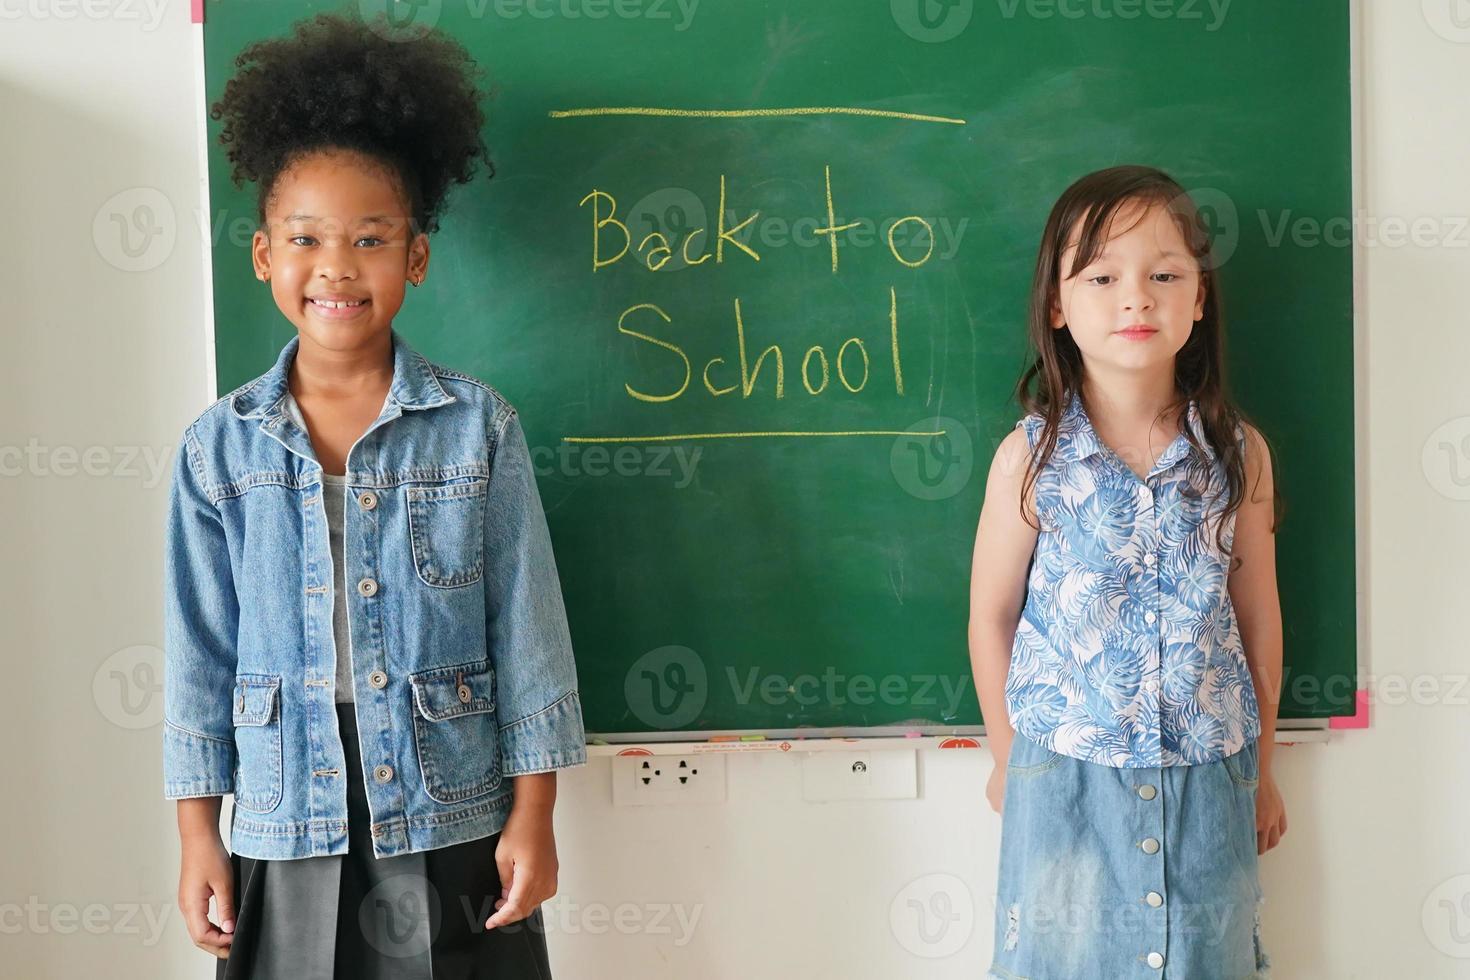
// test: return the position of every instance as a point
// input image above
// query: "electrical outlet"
(641, 780)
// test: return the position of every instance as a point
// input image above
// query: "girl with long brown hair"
(1125, 629)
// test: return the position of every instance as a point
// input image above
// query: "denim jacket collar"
(414, 385)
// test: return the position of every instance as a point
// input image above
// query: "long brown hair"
(1199, 368)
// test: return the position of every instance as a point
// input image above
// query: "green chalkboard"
(734, 565)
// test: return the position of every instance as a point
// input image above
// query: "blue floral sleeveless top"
(1127, 652)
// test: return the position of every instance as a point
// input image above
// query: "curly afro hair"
(339, 83)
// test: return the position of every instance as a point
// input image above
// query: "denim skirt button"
(1155, 899)
(1150, 845)
(1156, 960)
(1147, 792)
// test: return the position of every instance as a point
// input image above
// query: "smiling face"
(1132, 308)
(337, 249)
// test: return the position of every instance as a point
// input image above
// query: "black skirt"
(352, 916)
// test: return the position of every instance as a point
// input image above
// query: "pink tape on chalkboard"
(1359, 720)
(196, 11)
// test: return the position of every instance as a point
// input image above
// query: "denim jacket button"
(1147, 792)
(383, 773)
(1150, 845)
(367, 587)
(368, 500)
(1154, 899)
(378, 679)
(465, 694)
(1156, 960)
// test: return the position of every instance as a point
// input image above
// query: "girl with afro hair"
(390, 730)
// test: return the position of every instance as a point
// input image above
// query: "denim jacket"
(462, 664)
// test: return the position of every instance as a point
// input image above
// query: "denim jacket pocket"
(258, 741)
(455, 732)
(446, 527)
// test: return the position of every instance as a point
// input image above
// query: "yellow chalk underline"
(747, 113)
(744, 435)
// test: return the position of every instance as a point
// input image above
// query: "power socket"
(643, 780)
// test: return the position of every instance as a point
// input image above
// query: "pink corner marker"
(1358, 720)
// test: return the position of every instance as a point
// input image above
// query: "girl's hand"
(204, 871)
(526, 857)
(1270, 814)
(995, 788)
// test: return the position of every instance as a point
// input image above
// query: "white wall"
(1370, 881)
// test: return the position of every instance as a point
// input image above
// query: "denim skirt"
(353, 916)
(1109, 873)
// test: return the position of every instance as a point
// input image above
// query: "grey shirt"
(334, 497)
